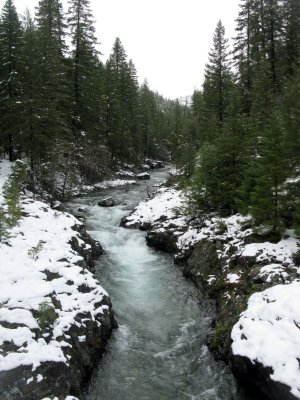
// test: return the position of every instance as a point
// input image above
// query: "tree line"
(60, 105)
(245, 122)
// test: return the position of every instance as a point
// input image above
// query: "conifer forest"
(237, 140)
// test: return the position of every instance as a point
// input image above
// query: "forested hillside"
(61, 106)
(237, 142)
(246, 118)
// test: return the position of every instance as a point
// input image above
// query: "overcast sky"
(168, 40)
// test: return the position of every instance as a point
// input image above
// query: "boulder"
(162, 240)
(108, 202)
(143, 176)
(257, 379)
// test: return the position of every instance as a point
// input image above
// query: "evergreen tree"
(85, 70)
(122, 105)
(10, 82)
(269, 172)
(243, 52)
(291, 34)
(217, 82)
(52, 98)
(149, 120)
(31, 136)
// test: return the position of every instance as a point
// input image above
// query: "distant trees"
(60, 104)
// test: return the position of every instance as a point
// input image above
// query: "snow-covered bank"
(54, 315)
(224, 258)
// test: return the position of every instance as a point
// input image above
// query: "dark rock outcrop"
(256, 378)
(162, 240)
(108, 202)
(143, 176)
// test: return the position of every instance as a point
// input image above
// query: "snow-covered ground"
(166, 203)
(39, 270)
(269, 330)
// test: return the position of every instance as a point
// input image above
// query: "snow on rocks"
(164, 206)
(223, 256)
(113, 183)
(269, 332)
(56, 398)
(48, 297)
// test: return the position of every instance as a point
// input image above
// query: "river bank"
(245, 273)
(55, 317)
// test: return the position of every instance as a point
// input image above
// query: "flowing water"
(158, 352)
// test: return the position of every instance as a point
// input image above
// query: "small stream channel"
(159, 351)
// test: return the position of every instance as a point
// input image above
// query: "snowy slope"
(39, 271)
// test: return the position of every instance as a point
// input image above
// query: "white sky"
(168, 40)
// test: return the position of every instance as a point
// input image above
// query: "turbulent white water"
(158, 352)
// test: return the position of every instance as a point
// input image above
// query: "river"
(158, 352)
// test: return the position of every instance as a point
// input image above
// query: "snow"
(39, 245)
(269, 332)
(165, 203)
(5, 169)
(67, 398)
(233, 278)
(272, 270)
(108, 184)
(282, 250)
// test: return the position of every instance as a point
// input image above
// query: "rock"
(257, 378)
(126, 175)
(145, 167)
(153, 164)
(143, 176)
(162, 240)
(108, 202)
(82, 209)
(202, 263)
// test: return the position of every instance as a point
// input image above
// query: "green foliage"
(12, 193)
(34, 250)
(220, 332)
(221, 227)
(3, 225)
(46, 314)
(10, 82)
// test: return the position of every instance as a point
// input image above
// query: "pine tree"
(31, 136)
(243, 52)
(53, 97)
(267, 199)
(217, 82)
(85, 70)
(148, 120)
(217, 176)
(122, 105)
(10, 82)
(291, 34)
